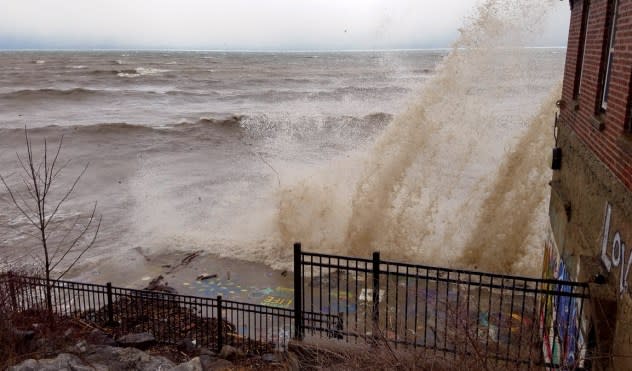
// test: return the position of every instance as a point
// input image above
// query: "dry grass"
(381, 355)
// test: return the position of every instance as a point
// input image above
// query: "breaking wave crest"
(48, 93)
(446, 182)
(28, 95)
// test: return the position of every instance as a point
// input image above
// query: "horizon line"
(254, 50)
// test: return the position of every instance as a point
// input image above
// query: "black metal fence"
(505, 319)
(171, 318)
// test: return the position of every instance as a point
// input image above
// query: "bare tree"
(40, 200)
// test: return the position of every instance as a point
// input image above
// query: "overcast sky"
(243, 24)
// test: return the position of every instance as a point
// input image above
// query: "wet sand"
(233, 279)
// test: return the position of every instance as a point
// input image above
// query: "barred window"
(581, 49)
(609, 55)
(628, 126)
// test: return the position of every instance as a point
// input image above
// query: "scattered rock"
(126, 359)
(207, 352)
(63, 361)
(193, 365)
(270, 357)
(24, 335)
(230, 353)
(98, 337)
(68, 332)
(292, 362)
(140, 340)
(157, 285)
(186, 345)
(81, 346)
(215, 364)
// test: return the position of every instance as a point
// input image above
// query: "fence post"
(298, 293)
(220, 326)
(110, 304)
(376, 292)
(14, 301)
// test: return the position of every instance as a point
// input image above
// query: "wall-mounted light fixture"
(556, 163)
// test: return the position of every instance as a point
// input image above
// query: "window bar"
(612, 22)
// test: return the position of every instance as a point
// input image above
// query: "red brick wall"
(611, 145)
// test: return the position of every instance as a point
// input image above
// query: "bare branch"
(35, 236)
(45, 181)
(28, 187)
(32, 202)
(21, 163)
(78, 238)
(61, 242)
(72, 188)
(52, 174)
(61, 168)
(15, 202)
(26, 204)
(88, 246)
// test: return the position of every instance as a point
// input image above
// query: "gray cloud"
(243, 24)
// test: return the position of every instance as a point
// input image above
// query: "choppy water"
(162, 89)
(198, 150)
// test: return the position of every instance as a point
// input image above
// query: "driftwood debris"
(203, 277)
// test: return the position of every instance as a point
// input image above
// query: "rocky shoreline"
(139, 351)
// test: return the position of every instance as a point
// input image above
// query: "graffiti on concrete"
(613, 255)
(560, 315)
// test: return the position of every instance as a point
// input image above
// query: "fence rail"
(518, 320)
(456, 312)
(171, 318)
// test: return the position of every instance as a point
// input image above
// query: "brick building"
(590, 238)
